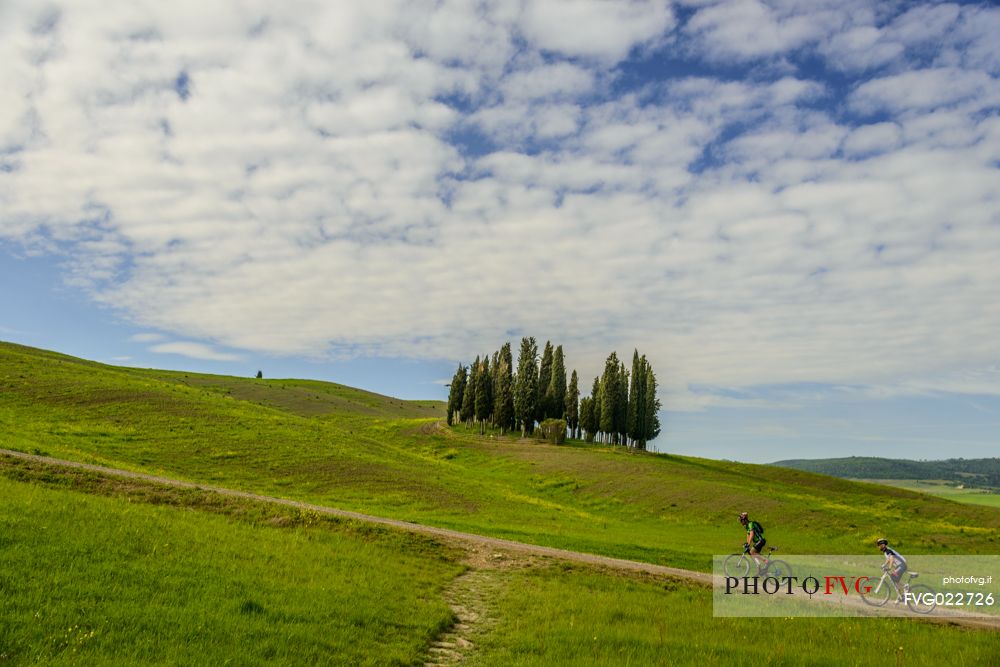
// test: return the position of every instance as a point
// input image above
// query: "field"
(346, 448)
(943, 489)
(133, 573)
(105, 571)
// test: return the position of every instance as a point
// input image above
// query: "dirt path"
(465, 596)
(469, 596)
(493, 543)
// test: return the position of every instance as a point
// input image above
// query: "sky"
(793, 209)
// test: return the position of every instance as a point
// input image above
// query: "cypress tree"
(556, 394)
(455, 393)
(634, 423)
(491, 418)
(469, 397)
(651, 420)
(503, 399)
(621, 404)
(609, 396)
(526, 386)
(484, 394)
(587, 421)
(544, 379)
(595, 399)
(572, 406)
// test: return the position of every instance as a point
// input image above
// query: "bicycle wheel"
(778, 569)
(879, 594)
(921, 599)
(737, 565)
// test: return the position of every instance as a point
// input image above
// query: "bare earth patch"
(471, 597)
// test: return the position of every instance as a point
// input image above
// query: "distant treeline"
(621, 409)
(972, 472)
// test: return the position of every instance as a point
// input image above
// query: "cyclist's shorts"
(898, 571)
(759, 545)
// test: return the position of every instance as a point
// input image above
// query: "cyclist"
(895, 564)
(755, 536)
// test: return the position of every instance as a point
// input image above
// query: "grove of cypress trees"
(622, 407)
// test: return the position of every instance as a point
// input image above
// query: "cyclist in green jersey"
(755, 536)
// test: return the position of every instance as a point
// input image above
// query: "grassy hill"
(311, 441)
(104, 571)
(91, 568)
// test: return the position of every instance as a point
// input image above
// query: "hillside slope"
(128, 571)
(342, 447)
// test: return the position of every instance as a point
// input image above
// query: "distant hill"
(971, 472)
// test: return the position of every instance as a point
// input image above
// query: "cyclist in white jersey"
(895, 564)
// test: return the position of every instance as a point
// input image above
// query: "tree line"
(492, 393)
(983, 473)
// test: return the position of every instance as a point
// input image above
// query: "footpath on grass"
(481, 541)
(489, 542)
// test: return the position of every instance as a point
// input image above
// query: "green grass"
(943, 489)
(87, 579)
(569, 615)
(313, 442)
(100, 570)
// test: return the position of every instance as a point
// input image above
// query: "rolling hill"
(352, 449)
(168, 575)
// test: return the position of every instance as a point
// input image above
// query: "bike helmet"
(880, 541)
(743, 516)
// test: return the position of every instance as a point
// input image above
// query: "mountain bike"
(738, 564)
(918, 597)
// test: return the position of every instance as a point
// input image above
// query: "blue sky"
(790, 208)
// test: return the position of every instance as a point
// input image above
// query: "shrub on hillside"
(552, 430)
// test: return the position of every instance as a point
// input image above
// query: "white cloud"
(926, 89)
(561, 79)
(746, 29)
(430, 179)
(194, 350)
(925, 23)
(602, 29)
(147, 337)
(875, 138)
(860, 48)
